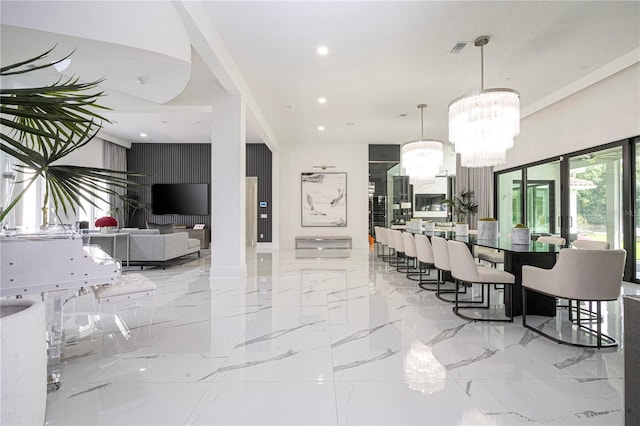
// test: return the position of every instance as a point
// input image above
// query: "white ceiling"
(385, 58)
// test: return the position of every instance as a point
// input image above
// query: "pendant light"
(422, 159)
(482, 124)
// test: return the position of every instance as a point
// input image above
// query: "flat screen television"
(180, 198)
(430, 202)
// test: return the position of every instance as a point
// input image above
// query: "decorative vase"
(24, 362)
(487, 229)
(520, 236)
(462, 229)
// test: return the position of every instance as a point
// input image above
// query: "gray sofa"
(148, 246)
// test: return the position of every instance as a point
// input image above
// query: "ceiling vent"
(458, 47)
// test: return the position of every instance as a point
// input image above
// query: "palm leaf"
(42, 125)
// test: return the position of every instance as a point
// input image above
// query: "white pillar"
(228, 257)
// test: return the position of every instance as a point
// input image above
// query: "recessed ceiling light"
(141, 80)
(322, 100)
(164, 121)
(143, 135)
(404, 114)
(323, 50)
(290, 107)
(321, 128)
(349, 123)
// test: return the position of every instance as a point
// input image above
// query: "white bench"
(322, 242)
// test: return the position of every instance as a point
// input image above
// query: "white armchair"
(578, 275)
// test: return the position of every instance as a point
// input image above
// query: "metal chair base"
(422, 282)
(602, 340)
(456, 309)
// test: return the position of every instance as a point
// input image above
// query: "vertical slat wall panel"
(168, 163)
(259, 165)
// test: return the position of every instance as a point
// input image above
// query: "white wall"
(605, 112)
(298, 158)
(90, 155)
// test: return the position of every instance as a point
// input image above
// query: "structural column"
(228, 163)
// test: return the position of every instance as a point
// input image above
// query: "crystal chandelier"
(482, 124)
(422, 159)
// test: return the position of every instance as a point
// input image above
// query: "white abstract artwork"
(324, 199)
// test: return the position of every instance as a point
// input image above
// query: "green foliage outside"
(592, 203)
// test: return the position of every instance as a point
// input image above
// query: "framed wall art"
(324, 199)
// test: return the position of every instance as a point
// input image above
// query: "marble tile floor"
(331, 341)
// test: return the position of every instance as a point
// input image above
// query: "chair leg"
(457, 308)
(421, 283)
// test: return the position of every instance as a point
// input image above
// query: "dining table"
(534, 253)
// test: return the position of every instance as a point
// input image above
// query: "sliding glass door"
(595, 199)
(543, 198)
(509, 201)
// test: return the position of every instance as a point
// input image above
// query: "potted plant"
(463, 206)
(44, 124)
(487, 228)
(520, 234)
(40, 126)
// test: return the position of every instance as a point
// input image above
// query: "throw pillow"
(163, 228)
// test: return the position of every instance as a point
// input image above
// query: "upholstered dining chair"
(391, 245)
(379, 243)
(578, 275)
(426, 261)
(549, 239)
(398, 245)
(383, 243)
(586, 245)
(590, 245)
(411, 256)
(442, 262)
(465, 270)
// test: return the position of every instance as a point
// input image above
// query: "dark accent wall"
(168, 163)
(259, 162)
(384, 153)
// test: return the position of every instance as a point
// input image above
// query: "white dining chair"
(398, 245)
(411, 256)
(466, 271)
(426, 261)
(441, 260)
(578, 275)
(549, 239)
(590, 245)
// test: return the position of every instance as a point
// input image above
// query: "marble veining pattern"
(328, 341)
